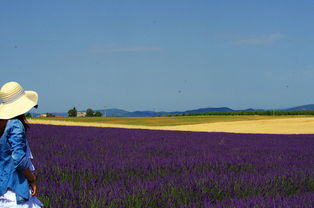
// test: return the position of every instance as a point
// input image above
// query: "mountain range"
(114, 112)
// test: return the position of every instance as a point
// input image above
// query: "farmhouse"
(81, 114)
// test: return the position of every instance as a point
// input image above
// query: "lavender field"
(108, 167)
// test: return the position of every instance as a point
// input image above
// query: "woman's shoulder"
(15, 124)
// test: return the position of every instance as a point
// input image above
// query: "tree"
(72, 112)
(50, 115)
(98, 114)
(28, 115)
(89, 112)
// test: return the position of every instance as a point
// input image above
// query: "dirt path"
(269, 126)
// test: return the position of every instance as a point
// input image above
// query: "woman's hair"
(23, 120)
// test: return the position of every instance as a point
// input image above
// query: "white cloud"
(260, 40)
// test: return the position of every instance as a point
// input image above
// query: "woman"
(17, 181)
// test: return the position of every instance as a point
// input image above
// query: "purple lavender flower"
(111, 167)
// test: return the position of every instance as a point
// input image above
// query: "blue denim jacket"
(13, 160)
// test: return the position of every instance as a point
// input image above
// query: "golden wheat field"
(253, 124)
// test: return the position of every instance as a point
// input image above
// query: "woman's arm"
(17, 142)
(18, 146)
(29, 175)
(31, 180)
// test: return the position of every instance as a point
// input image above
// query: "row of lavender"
(107, 167)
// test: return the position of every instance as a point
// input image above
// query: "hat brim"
(20, 106)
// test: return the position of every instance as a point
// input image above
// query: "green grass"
(165, 121)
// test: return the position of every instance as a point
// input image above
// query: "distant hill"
(302, 108)
(115, 112)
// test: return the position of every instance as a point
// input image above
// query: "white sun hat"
(16, 101)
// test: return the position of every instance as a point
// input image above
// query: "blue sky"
(159, 55)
